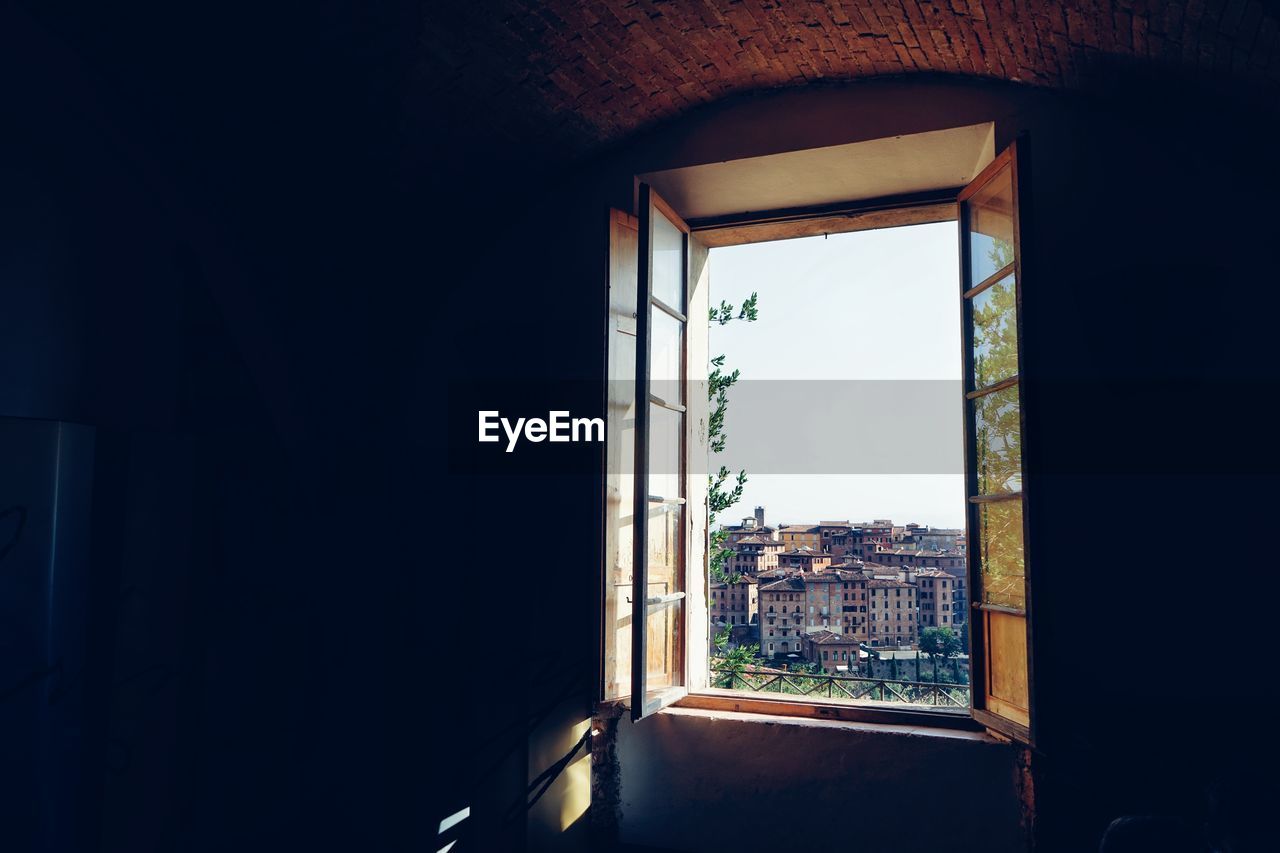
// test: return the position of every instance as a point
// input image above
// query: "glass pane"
(991, 227)
(665, 431)
(1002, 562)
(619, 503)
(995, 333)
(665, 576)
(998, 441)
(664, 547)
(664, 356)
(663, 645)
(668, 262)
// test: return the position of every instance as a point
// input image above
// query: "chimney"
(759, 517)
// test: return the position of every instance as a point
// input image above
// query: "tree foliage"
(725, 662)
(725, 488)
(939, 643)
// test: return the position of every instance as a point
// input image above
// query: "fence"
(846, 687)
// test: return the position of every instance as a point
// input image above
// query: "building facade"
(735, 603)
(753, 555)
(832, 652)
(803, 559)
(782, 616)
(935, 591)
(891, 613)
(801, 536)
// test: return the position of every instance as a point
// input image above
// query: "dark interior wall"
(198, 210)
(693, 780)
(245, 256)
(1146, 321)
(1148, 247)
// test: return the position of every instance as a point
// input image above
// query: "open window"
(656, 491)
(991, 277)
(656, 600)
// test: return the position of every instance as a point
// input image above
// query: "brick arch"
(576, 74)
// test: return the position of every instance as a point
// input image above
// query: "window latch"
(661, 600)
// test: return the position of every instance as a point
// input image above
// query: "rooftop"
(787, 584)
(824, 638)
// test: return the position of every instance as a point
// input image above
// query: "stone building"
(753, 555)
(936, 592)
(803, 559)
(734, 603)
(891, 613)
(952, 561)
(832, 652)
(801, 536)
(782, 616)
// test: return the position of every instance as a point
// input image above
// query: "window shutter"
(991, 277)
(665, 549)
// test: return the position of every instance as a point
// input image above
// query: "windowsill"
(874, 716)
(691, 706)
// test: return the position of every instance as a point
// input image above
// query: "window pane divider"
(991, 389)
(656, 400)
(999, 608)
(995, 499)
(989, 280)
(658, 303)
(658, 499)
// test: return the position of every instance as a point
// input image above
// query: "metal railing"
(846, 687)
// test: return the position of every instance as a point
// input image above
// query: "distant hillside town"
(841, 596)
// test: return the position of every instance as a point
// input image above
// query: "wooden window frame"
(979, 675)
(939, 206)
(643, 702)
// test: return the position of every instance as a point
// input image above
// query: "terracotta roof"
(788, 584)
(882, 583)
(917, 552)
(798, 528)
(823, 638)
(756, 540)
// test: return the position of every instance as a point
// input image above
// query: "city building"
(801, 536)
(832, 652)
(952, 561)
(803, 559)
(936, 592)
(782, 616)
(753, 555)
(891, 613)
(829, 530)
(923, 537)
(752, 525)
(734, 603)
(862, 539)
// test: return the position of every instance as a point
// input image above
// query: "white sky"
(880, 304)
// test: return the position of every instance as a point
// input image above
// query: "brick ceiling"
(572, 76)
